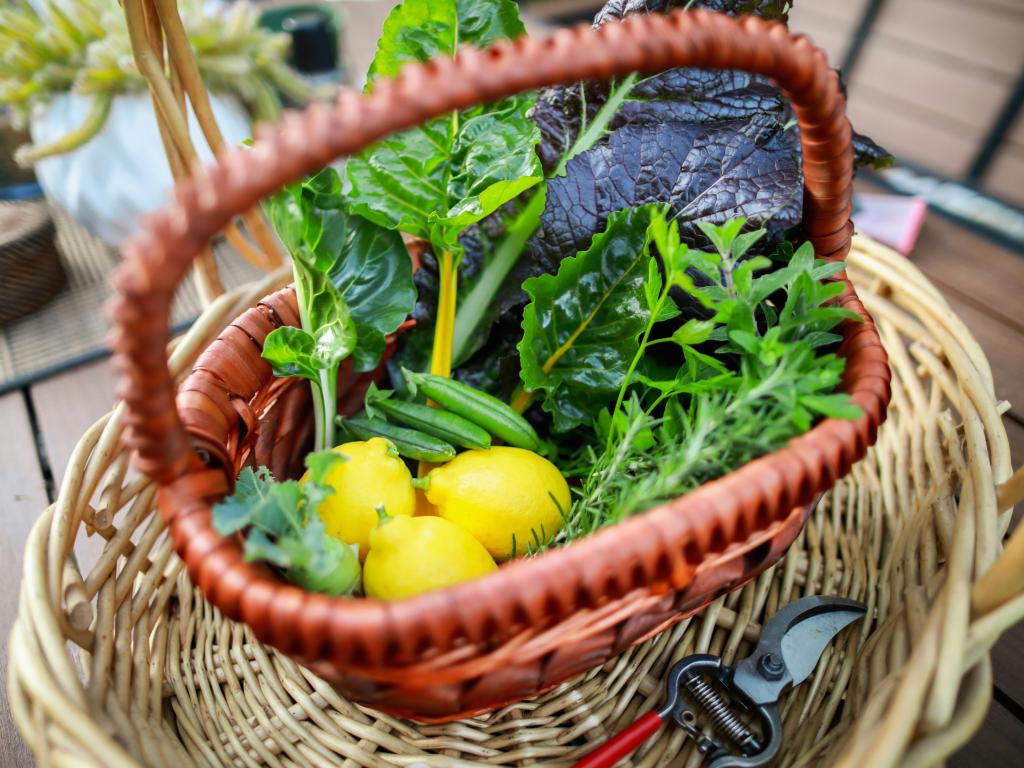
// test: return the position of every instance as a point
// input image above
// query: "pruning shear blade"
(790, 646)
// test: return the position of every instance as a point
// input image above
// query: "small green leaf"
(745, 340)
(652, 288)
(373, 396)
(290, 352)
(321, 463)
(745, 242)
(693, 332)
(669, 311)
(722, 235)
(235, 512)
(279, 511)
(836, 406)
(259, 546)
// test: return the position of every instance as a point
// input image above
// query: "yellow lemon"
(409, 555)
(507, 498)
(372, 476)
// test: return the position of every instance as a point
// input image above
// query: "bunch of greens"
(713, 145)
(590, 330)
(616, 245)
(282, 527)
(353, 283)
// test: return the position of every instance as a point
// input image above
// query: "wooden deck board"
(67, 405)
(962, 262)
(999, 742)
(22, 498)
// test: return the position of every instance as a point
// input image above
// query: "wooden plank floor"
(982, 281)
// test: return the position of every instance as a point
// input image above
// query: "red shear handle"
(609, 754)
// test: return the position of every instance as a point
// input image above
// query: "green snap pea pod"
(478, 407)
(409, 442)
(442, 424)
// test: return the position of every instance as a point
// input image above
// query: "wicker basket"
(31, 271)
(538, 621)
(171, 682)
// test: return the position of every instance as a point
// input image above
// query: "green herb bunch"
(668, 432)
(283, 528)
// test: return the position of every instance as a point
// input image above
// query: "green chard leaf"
(581, 326)
(418, 30)
(436, 179)
(357, 277)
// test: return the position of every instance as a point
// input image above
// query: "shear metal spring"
(722, 717)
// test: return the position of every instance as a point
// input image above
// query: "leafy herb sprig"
(284, 529)
(766, 383)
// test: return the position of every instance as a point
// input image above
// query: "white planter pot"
(121, 173)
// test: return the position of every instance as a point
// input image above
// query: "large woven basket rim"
(657, 551)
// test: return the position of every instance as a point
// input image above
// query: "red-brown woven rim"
(657, 551)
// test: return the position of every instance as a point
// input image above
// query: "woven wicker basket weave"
(31, 272)
(909, 531)
(538, 621)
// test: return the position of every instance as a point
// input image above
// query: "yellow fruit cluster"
(484, 505)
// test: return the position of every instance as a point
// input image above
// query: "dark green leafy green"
(418, 30)
(368, 266)
(580, 328)
(282, 527)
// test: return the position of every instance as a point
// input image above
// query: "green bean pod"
(410, 443)
(482, 409)
(440, 423)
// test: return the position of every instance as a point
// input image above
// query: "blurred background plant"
(83, 47)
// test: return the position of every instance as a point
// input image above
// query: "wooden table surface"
(983, 283)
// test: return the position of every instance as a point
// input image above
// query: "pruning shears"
(740, 702)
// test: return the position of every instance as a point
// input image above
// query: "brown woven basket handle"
(157, 258)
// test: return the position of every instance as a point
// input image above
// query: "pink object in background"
(894, 220)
